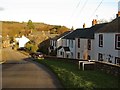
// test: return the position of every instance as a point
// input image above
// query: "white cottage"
(85, 42)
(107, 43)
(68, 43)
(80, 43)
(22, 41)
(56, 42)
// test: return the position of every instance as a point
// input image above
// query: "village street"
(19, 71)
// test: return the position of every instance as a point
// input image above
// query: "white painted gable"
(23, 41)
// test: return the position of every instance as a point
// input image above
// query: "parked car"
(37, 55)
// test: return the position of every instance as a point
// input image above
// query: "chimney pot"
(84, 25)
(94, 22)
(118, 13)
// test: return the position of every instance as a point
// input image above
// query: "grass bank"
(71, 77)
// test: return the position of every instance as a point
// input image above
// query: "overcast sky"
(58, 12)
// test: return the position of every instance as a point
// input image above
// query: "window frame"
(116, 60)
(89, 44)
(78, 43)
(100, 57)
(117, 41)
(61, 53)
(78, 55)
(100, 40)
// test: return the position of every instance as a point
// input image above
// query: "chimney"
(84, 25)
(118, 13)
(94, 22)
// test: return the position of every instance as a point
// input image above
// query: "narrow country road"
(19, 71)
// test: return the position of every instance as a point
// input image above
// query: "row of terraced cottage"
(100, 42)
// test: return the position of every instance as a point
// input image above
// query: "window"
(67, 55)
(117, 41)
(72, 43)
(78, 43)
(100, 57)
(61, 53)
(101, 40)
(78, 55)
(117, 60)
(89, 44)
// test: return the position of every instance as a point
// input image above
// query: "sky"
(58, 12)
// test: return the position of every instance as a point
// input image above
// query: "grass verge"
(71, 77)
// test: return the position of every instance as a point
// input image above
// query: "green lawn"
(71, 77)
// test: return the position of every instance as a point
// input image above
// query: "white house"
(63, 52)
(107, 43)
(22, 41)
(56, 42)
(85, 42)
(68, 46)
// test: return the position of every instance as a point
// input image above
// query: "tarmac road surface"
(19, 71)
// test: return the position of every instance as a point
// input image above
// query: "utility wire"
(83, 7)
(75, 9)
(96, 9)
(78, 4)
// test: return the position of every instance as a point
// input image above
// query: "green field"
(71, 77)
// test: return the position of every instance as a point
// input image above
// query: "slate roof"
(61, 35)
(87, 33)
(59, 47)
(112, 27)
(65, 48)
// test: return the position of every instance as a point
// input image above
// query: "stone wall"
(108, 68)
(105, 67)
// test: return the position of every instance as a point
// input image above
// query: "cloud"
(1, 8)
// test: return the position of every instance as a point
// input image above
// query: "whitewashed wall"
(108, 47)
(59, 42)
(83, 48)
(71, 45)
(64, 41)
(59, 53)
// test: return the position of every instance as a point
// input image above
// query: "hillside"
(15, 28)
(38, 33)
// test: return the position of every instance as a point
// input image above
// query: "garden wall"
(108, 68)
(105, 67)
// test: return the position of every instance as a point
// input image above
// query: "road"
(20, 71)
